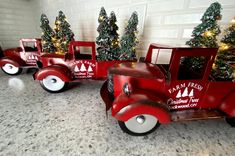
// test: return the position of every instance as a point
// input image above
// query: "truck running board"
(195, 114)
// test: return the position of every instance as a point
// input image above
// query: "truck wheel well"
(60, 71)
(160, 111)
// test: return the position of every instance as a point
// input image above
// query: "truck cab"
(80, 62)
(143, 95)
(25, 56)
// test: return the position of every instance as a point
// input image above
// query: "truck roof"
(30, 39)
(165, 46)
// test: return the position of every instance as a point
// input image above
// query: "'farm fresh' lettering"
(84, 62)
(83, 69)
(183, 85)
(184, 95)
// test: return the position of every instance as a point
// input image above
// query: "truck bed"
(103, 66)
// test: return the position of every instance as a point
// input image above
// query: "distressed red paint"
(187, 94)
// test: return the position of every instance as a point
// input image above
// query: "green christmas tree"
(47, 35)
(103, 39)
(63, 33)
(204, 35)
(114, 38)
(129, 40)
(222, 69)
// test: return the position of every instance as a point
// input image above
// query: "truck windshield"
(161, 56)
(30, 46)
(82, 53)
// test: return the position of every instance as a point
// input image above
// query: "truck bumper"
(106, 97)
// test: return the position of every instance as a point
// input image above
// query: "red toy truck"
(13, 60)
(144, 95)
(57, 70)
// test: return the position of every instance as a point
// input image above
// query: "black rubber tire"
(19, 71)
(58, 91)
(231, 121)
(126, 130)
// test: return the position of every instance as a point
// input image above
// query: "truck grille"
(110, 84)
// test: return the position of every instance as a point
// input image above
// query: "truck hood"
(137, 69)
(12, 51)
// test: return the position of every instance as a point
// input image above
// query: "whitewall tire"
(53, 84)
(10, 69)
(140, 125)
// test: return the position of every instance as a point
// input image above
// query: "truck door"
(30, 53)
(187, 86)
(84, 63)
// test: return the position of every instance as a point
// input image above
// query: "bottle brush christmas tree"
(103, 39)
(63, 33)
(47, 35)
(204, 35)
(114, 38)
(223, 69)
(129, 40)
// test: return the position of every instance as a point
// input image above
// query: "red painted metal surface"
(79, 65)
(1, 52)
(5, 60)
(190, 93)
(59, 71)
(125, 107)
(23, 56)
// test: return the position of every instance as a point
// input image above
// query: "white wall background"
(161, 21)
(17, 20)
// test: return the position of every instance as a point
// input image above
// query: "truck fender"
(137, 104)
(6, 60)
(57, 70)
(227, 106)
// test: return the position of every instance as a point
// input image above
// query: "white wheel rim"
(53, 83)
(10, 68)
(141, 123)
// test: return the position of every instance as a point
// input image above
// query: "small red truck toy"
(13, 60)
(143, 95)
(57, 70)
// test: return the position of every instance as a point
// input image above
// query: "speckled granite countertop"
(34, 122)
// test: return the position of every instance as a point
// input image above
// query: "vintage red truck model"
(13, 60)
(143, 95)
(58, 70)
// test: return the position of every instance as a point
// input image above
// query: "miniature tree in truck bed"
(129, 40)
(47, 35)
(63, 33)
(204, 35)
(103, 40)
(223, 68)
(114, 38)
